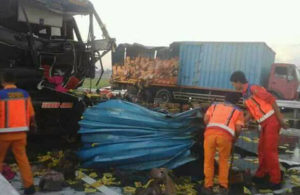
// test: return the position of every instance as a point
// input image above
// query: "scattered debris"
(295, 180)
(68, 164)
(129, 190)
(97, 185)
(160, 178)
(6, 187)
(247, 139)
(7, 172)
(51, 159)
(247, 191)
(52, 181)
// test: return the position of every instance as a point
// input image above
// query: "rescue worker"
(16, 117)
(262, 107)
(224, 122)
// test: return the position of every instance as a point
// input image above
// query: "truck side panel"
(210, 64)
(267, 69)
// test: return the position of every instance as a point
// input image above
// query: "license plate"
(56, 105)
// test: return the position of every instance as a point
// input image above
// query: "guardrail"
(288, 104)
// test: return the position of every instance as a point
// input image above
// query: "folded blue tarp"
(128, 136)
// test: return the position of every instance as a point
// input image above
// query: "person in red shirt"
(262, 107)
(16, 118)
(224, 121)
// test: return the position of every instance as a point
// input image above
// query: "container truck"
(200, 71)
(41, 42)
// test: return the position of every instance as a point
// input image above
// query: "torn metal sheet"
(128, 136)
(71, 7)
(289, 162)
(93, 183)
(248, 141)
(6, 187)
(245, 164)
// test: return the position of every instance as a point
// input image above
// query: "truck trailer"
(200, 71)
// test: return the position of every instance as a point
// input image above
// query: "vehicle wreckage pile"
(151, 71)
(127, 136)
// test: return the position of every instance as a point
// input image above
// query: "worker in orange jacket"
(224, 122)
(263, 108)
(16, 117)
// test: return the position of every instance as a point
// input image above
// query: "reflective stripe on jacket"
(225, 116)
(258, 108)
(15, 110)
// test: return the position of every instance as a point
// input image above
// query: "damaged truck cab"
(42, 43)
(284, 81)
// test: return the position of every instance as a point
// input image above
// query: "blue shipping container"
(210, 64)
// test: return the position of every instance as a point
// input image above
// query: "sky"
(161, 22)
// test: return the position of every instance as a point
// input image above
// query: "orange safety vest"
(224, 116)
(15, 113)
(258, 108)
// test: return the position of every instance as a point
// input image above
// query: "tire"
(132, 90)
(148, 95)
(165, 95)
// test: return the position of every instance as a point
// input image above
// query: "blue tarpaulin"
(128, 136)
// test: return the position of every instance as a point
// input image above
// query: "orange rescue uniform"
(259, 103)
(222, 119)
(16, 112)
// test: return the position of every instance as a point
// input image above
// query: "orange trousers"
(222, 144)
(18, 147)
(268, 150)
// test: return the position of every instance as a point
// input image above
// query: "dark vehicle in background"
(41, 42)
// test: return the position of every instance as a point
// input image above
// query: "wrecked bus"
(42, 43)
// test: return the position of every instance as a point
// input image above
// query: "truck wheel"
(148, 95)
(164, 94)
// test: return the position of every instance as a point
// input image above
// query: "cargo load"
(193, 64)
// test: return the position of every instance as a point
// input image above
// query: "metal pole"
(230, 167)
(92, 41)
(31, 42)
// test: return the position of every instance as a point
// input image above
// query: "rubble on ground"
(52, 181)
(130, 183)
(6, 187)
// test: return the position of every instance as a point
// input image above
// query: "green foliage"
(103, 83)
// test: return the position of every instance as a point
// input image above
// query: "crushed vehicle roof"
(66, 6)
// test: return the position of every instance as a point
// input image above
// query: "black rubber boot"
(207, 191)
(29, 190)
(275, 187)
(270, 186)
(259, 180)
(223, 191)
